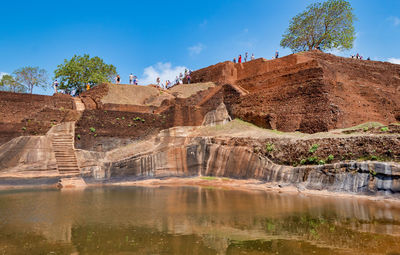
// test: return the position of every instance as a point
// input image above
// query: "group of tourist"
(246, 55)
(73, 92)
(178, 80)
(358, 56)
(133, 80)
(239, 60)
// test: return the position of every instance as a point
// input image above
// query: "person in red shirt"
(240, 59)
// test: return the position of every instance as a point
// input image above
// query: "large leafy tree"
(31, 77)
(8, 83)
(328, 25)
(81, 70)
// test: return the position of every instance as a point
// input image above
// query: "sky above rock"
(162, 38)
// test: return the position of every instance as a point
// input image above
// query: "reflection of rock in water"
(155, 220)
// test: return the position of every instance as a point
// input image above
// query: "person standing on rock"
(135, 80)
(117, 79)
(188, 79)
(131, 78)
(245, 57)
(240, 59)
(55, 85)
(234, 60)
(252, 56)
(276, 54)
(180, 78)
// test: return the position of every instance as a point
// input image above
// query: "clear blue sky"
(150, 38)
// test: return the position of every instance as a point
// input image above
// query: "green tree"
(8, 83)
(31, 77)
(81, 70)
(327, 25)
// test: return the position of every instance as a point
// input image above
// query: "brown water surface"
(192, 220)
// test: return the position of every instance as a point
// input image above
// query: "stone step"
(70, 172)
(62, 164)
(69, 163)
(68, 168)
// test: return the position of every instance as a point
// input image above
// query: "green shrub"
(270, 147)
(330, 158)
(78, 136)
(117, 118)
(321, 162)
(312, 160)
(123, 118)
(384, 129)
(303, 161)
(92, 129)
(365, 129)
(23, 128)
(373, 157)
(313, 148)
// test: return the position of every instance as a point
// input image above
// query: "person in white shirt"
(131, 78)
(55, 85)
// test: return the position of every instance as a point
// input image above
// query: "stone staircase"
(63, 147)
(78, 104)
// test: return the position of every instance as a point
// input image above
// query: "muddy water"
(192, 220)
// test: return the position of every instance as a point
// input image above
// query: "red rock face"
(27, 114)
(310, 92)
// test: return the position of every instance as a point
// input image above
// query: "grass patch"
(364, 126)
(209, 178)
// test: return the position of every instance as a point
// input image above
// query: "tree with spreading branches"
(327, 25)
(8, 83)
(81, 70)
(31, 77)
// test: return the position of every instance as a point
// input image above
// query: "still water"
(192, 220)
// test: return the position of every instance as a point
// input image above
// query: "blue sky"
(151, 38)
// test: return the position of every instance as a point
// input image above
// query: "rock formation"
(123, 132)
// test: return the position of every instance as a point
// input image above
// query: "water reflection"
(192, 220)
